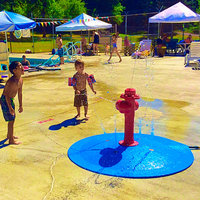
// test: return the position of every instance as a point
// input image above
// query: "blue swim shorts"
(5, 109)
(114, 45)
(60, 52)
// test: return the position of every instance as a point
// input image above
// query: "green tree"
(198, 6)
(117, 10)
(101, 7)
(18, 6)
(57, 8)
(45, 8)
(72, 8)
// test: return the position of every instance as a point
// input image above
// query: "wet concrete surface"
(40, 169)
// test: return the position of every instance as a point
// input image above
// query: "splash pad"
(134, 155)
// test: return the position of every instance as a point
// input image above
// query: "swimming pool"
(33, 61)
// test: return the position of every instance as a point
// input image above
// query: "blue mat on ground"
(154, 156)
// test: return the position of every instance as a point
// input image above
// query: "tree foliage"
(117, 10)
(72, 8)
(57, 8)
(45, 8)
(17, 6)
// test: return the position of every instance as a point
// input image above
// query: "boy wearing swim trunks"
(12, 87)
(80, 78)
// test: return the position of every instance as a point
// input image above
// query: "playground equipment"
(71, 52)
(128, 107)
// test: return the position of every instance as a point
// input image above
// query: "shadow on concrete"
(66, 123)
(2, 145)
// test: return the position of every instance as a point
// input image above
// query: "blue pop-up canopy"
(12, 21)
(83, 22)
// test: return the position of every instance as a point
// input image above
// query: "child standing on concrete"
(114, 42)
(12, 87)
(80, 78)
(60, 48)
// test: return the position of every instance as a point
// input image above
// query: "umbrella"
(12, 21)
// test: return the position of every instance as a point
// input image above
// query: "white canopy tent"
(83, 22)
(178, 13)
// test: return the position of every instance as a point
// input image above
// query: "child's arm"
(8, 93)
(76, 90)
(117, 34)
(20, 98)
(91, 86)
(74, 86)
(90, 83)
(8, 101)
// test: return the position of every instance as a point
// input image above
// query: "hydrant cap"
(130, 91)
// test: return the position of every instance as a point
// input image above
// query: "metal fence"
(135, 26)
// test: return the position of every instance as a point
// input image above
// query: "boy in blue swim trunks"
(114, 43)
(60, 48)
(12, 87)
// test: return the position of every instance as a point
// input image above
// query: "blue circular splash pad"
(154, 156)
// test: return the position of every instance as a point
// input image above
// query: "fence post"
(10, 43)
(183, 32)
(126, 24)
(33, 35)
(33, 41)
(53, 33)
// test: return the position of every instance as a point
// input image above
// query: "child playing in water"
(114, 42)
(80, 78)
(12, 87)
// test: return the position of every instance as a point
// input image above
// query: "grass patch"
(47, 44)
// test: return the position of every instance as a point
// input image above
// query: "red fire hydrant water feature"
(128, 107)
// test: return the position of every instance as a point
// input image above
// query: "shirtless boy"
(12, 87)
(80, 78)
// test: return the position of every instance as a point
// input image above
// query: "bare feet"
(14, 142)
(14, 137)
(77, 116)
(120, 60)
(86, 117)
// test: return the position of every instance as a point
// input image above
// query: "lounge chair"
(194, 54)
(144, 49)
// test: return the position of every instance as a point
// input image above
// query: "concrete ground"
(40, 169)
